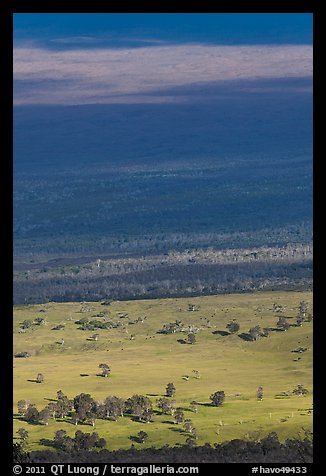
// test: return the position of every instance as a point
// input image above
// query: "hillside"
(143, 361)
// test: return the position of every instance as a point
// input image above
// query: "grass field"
(147, 363)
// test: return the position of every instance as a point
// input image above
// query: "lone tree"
(170, 390)
(191, 338)
(233, 327)
(218, 398)
(105, 370)
(260, 393)
(40, 378)
(300, 390)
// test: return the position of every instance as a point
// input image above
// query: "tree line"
(254, 449)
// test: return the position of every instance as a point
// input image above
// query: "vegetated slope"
(143, 360)
(192, 272)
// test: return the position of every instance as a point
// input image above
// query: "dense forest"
(267, 450)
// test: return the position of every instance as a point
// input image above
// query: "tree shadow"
(18, 417)
(245, 336)
(176, 430)
(168, 422)
(84, 375)
(135, 439)
(182, 341)
(154, 395)
(33, 423)
(50, 399)
(32, 380)
(221, 333)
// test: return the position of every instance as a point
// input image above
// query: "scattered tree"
(165, 405)
(233, 327)
(142, 436)
(170, 390)
(264, 332)
(300, 319)
(255, 332)
(23, 355)
(178, 416)
(22, 406)
(140, 406)
(300, 390)
(84, 406)
(59, 438)
(39, 321)
(217, 398)
(188, 426)
(105, 370)
(45, 415)
(32, 414)
(278, 308)
(40, 378)
(260, 393)
(282, 324)
(26, 324)
(114, 407)
(171, 327)
(64, 406)
(191, 338)
(303, 309)
(193, 307)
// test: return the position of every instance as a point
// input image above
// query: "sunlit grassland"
(146, 364)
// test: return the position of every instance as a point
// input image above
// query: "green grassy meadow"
(147, 363)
